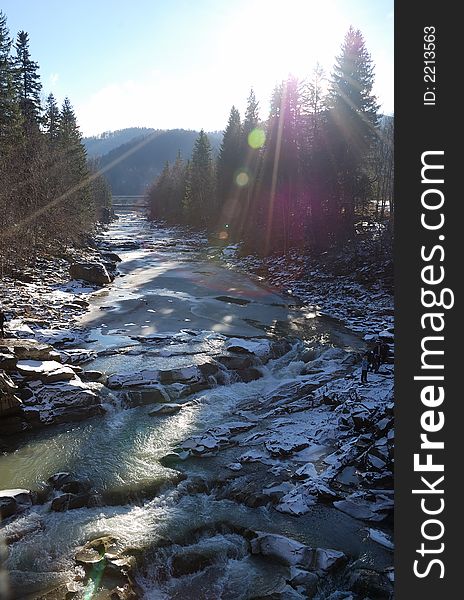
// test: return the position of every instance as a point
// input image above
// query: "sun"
(281, 38)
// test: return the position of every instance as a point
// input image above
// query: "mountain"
(135, 164)
(98, 145)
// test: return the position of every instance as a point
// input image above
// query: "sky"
(183, 63)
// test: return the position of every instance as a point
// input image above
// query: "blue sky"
(179, 63)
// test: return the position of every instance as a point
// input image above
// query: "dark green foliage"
(351, 130)
(199, 204)
(48, 198)
(27, 82)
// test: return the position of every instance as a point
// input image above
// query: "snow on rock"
(29, 349)
(234, 466)
(307, 470)
(64, 401)
(13, 501)
(165, 409)
(258, 347)
(142, 378)
(283, 445)
(47, 371)
(362, 510)
(292, 553)
(19, 328)
(57, 336)
(381, 538)
(76, 356)
(296, 502)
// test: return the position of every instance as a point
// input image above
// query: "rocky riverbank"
(291, 462)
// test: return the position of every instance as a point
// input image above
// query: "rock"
(93, 272)
(358, 510)
(9, 404)
(341, 596)
(94, 376)
(111, 256)
(7, 360)
(292, 553)
(305, 579)
(56, 336)
(259, 347)
(189, 562)
(76, 356)
(251, 374)
(165, 409)
(188, 374)
(96, 550)
(63, 402)
(68, 484)
(238, 363)
(7, 385)
(29, 349)
(368, 583)
(142, 378)
(14, 501)
(143, 397)
(381, 538)
(48, 371)
(68, 501)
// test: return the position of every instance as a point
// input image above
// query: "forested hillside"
(98, 145)
(134, 165)
(50, 197)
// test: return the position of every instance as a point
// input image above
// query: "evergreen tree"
(9, 110)
(351, 129)
(51, 119)
(27, 81)
(229, 161)
(199, 201)
(251, 119)
(75, 202)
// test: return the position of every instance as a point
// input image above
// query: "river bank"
(236, 456)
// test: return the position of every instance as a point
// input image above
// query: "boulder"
(7, 385)
(29, 349)
(92, 272)
(110, 256)
(48, 371)
(292, 553)
(14, 501)
(9, 404)
(94, 376)
(7, 360)
(68, 501)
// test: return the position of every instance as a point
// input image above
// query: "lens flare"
(256, 138)
(242, 179)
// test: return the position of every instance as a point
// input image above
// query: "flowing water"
(168, 286)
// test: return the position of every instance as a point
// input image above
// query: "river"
(174, 305)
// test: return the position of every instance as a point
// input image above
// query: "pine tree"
(75, 202)
(27, 82)
(9, 110)
(51, 119)
(251, 120)
(199, 201)
(352, 122)
(229, 161)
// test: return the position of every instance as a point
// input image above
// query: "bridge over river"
(130, 202)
